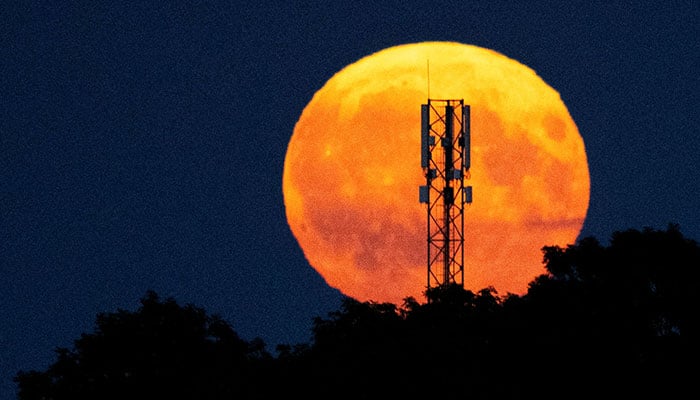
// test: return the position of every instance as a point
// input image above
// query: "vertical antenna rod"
(427, 61)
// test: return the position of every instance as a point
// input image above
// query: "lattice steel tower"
(445, 159)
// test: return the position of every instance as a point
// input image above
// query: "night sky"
(142, 144)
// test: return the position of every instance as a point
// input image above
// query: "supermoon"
(352, 171)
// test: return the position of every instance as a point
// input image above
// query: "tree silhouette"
(163, 350)
(621, 315)
(603, 321)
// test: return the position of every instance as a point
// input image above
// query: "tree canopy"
(163, 350)
(617, 320)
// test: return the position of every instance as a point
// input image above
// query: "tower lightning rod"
(427, 62)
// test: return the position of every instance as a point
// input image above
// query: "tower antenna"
(427, 61)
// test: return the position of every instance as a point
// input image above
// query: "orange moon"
(352, 171)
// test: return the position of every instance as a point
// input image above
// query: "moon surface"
(352, 171)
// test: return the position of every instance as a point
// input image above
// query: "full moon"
(352, 171)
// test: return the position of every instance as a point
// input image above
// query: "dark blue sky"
(142, 144)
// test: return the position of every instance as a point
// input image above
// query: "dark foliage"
(162, 351)
(604, 321)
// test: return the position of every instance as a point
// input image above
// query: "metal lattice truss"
(445, 159)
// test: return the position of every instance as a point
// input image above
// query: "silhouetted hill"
(604, 321)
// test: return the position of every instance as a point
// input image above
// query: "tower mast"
(445, 159)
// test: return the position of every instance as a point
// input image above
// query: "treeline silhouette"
(604, 321)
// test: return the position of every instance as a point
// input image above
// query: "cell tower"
(445, 159)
